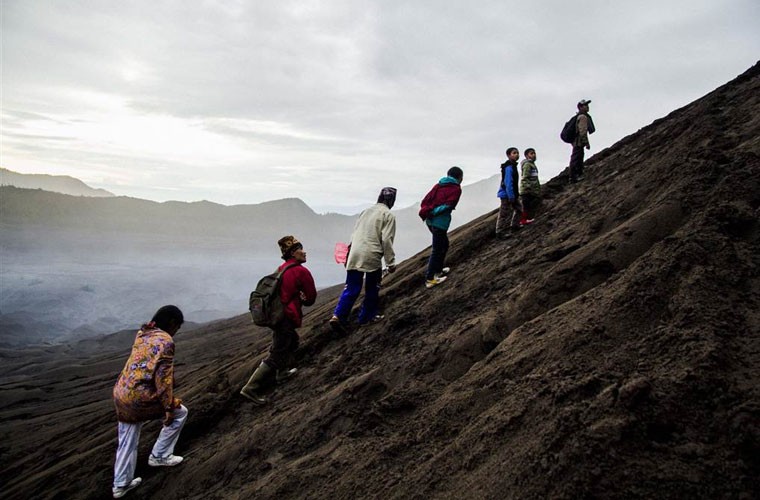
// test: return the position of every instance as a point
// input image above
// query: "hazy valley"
(78, 266)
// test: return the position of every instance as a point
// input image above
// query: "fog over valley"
(77, 266)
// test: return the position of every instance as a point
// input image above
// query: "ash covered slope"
(610, 350)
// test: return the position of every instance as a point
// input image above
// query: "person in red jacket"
(435, 210)
(296, 290)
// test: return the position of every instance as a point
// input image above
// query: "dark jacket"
(510, 180)
(294, 280)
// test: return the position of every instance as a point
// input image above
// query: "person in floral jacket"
(145, 391)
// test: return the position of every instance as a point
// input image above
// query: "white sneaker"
(169, 461)
(437, 280)
(120, 491)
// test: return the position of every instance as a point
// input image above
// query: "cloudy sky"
(247, 101)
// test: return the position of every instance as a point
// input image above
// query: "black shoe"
(377, 319)
(503, 236)
(339, 327)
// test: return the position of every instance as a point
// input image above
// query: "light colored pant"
(129, 438)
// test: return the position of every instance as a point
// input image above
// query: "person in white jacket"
(371, 242)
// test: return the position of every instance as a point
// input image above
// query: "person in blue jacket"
(509, 195)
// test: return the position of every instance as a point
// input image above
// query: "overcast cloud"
(327, 101)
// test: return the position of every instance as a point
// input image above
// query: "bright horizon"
(330, 101)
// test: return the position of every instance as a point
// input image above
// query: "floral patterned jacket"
(145, 389)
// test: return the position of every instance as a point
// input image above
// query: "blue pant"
(438, 253)
(354, 281)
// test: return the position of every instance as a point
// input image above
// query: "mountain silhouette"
(71, 263)
(609, 350)
(56, 183)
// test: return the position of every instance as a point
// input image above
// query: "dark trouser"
(353, 287)
(576, 163)
(284, 345)
(530, 202)
(438, 253)
(507, 207)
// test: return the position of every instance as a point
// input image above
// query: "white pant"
(129, 437)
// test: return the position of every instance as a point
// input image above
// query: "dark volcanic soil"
(610, 350)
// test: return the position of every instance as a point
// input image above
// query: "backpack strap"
(281, 273)
(286, 268)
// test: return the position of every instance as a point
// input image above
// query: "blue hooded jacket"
(510, 180)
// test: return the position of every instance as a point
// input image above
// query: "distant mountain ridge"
(78, 264)
(56, 183)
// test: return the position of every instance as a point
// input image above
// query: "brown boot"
(255, 384)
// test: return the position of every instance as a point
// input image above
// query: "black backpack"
(264, 303)
(569, 131)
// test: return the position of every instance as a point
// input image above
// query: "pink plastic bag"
(341, 253)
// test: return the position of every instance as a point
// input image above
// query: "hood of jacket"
(448, 180)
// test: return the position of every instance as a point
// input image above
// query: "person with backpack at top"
(371, 242)
(530, 187)
(145, 391)
(435, 210)
(584, 126)
(296, 289)
(509, 195)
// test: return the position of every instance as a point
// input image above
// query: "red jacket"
(437, 205)
(294, 280)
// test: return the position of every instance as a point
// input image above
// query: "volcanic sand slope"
(609, 350)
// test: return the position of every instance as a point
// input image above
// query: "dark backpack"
(569, 131)
(264, 303)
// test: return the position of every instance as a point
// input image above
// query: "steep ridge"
(57, 183)
(610, 350)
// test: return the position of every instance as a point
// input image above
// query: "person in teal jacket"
(436, 211)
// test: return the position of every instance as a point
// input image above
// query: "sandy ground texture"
(609, 350)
